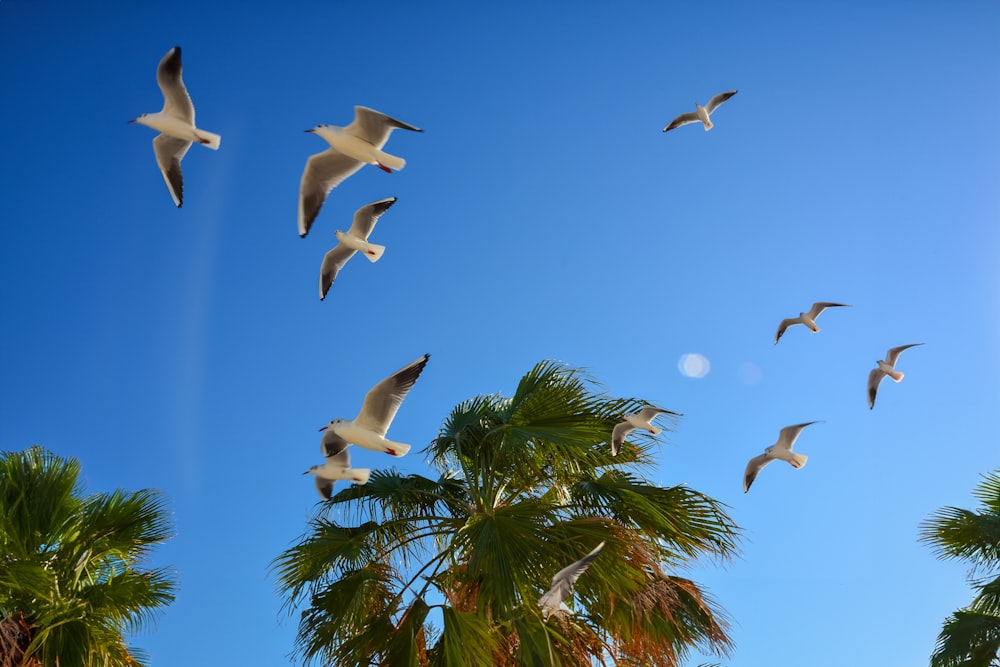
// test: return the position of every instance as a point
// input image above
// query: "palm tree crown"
(70, 584)
(449, 571)
(971, 636)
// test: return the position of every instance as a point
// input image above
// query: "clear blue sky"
(542, 215)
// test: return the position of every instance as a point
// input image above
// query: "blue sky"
(542, 215)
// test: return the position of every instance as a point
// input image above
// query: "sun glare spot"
(694, 365)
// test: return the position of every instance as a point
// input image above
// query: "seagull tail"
(895, 375)
(360, 475)
(373, 251)
(387, 161)
(396, 449)
(798, 460)
(655, 430)
(208, 139)
(709, 125)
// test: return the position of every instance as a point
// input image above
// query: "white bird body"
(883, 368)
(553, 601)
(357, 148)
(382, 402)
(337, 466)
(642, 419)
(807, 318)
(175, 122)
(701, 113)
(780, 450)
(372, 251)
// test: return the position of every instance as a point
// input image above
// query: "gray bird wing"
(754, 466)
(383, 400)
(324, 171)
(374, 126)
(366, 216)
(325, 487)
(717, 101)
(893, 354)
(618, 436)
(820, 306)
(333, 445)
(789, 434)
(683, 119)
(563, 582)
(648, 413)
(785, 323)
(333, 262)
(874, 378)
(169, 152)
(176, 101)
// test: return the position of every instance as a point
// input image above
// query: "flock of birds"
(360, 143)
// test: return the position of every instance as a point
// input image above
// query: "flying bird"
(350, 147)
(354, 240)
(175, 121)
(808, 319)
(337, 466)
(883, 368)
(701, 113)
(642, 419)
(562, 584)
(382, 402)
(782, 449)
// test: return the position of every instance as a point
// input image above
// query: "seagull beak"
(323, 429)
(132, 121)
(313, 131)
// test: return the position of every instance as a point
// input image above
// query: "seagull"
(562, 584)
(887, 367)
(337, 466)
(782, 449)
(808, 319)
(350, 147)
(642, 419)
(368, 429)
(702, 113)
(175, 121)
(354, 240)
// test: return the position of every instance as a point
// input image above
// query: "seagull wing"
(874, 378)
(333, 445)
(176, 101)
(374, 126)
(717, 101)
(754, 466)
(169, 152)
(562, 583)
(384, 399)
(324, 171)
(785, 323)
(325, 487)
(790, 434)
(341, 458)
(820, 306)
(366, 217)
(651, 412)
(683, 119)
(893, 354)
(333, 262)
(618, 436)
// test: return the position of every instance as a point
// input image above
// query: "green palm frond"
(968, 639)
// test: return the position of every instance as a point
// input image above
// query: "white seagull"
(175, 121)
(382, 402)
(782, 449)
(350, 147)
(562, 584)
(887, 367)
(642, 419)
(701, 113)
(808, 319)
(337, 466)
(351, 242)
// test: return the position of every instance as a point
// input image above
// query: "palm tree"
(410, 570)
(971, 636)
(70, 581)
